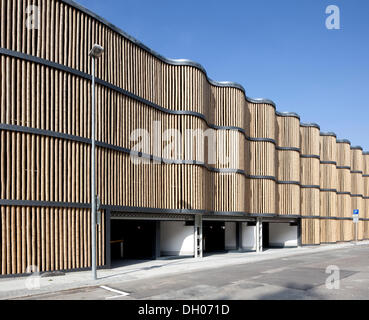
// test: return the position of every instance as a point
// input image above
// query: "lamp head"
(96, 51)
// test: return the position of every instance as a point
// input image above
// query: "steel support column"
(198, 237)
(259, 235)
(239, 233)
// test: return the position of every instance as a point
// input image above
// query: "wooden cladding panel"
(328, 204)
(360, 230)
(329, 231)
(357, 161)
(343, 155)
(344, 180)
(310, 231)
(229, 151)
(366, 186)
(310, 171)
(357, 183)
(288, 166)
(229, 107)
(328, 176)
(261, 196)
(288, 132)
(167, 186)
(328, 148)
(261, 120)
(348, 230)
(228, 192)
(43, 168)
(340, 230)
(344, 206)
(366, 164)
(365, 230)
(260, 158)
(288, 199)
(310, 202)
(49, 238)
(310, 140)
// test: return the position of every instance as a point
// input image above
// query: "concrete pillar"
(198, 236)
(239, 235)
(259, 235)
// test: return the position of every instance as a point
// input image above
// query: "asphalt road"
(294, 277)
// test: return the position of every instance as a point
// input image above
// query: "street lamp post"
(95, 53)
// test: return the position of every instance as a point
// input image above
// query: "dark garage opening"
(213, 236)
(133, 239)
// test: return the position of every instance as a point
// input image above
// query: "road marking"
(120, 293)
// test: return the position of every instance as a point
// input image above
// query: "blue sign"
(356, 211)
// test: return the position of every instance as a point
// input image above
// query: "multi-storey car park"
(286, 184)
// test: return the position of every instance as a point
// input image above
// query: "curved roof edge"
(356, 148)
(343, 141)
(287, 114)
(261, 100)
(366, 153)
(315, 125)
(176, 62)
(332, 134)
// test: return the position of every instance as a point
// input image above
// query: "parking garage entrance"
(133, 239)
(143, 236)
(280, 234)
(213, 236)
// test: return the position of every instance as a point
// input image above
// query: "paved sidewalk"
(135, 270)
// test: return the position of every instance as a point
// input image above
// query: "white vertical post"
(195, 237)
(259, 235)
(198, 237)
(240, 235)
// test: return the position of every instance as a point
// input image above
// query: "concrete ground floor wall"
(282, 235)
(176, 238)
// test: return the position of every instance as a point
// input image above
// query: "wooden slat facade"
(310, 182)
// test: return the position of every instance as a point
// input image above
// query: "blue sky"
(279, 50)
